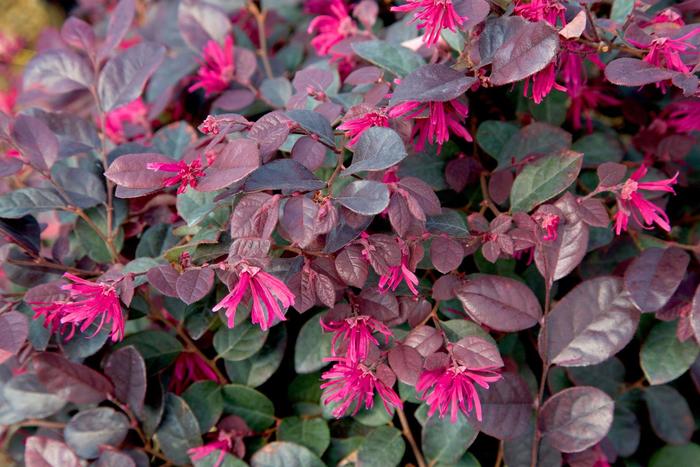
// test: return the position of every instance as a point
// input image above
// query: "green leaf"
(212, 461)
(598, 148)
(492, 136)
(193, 206)
(285, 454)
(19, 203)
(670, 414)
(312, 346)
(206, 402)
(536, 138)
(621, 10)
(551, 110)
(158, 348)
(240, 342)
(255, 370)
(663, 357)
(94, 245)
(310, 432)
(155, 241)
(179, 430)
(393, 58)
(249, 404)
(445, 442)
(383, 447)
(676, 456)
(172, 140)
(544, 179)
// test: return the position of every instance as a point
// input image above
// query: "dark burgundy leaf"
(270, 131)
(10, 166)
(423, 194)
(309, 153)
(635, 72)
(506, 406)
(378, 148)
(610, 173)
(576, 418)
(127, 370)
(79, 34)
(527, 49)
(654, 276)
(130, 171)
(40, 451)
(24, 231)
(119, 22)
(58, 71)
(446, 253)
(114, 459)
(194, 284)
(500, 303)
(235, 161)
(352, 266)
(590, 324)
(236, 99)
(163, 279)
(200, 22)
(299, 219)
(314, 123)
(14, 329)
(592, 211)
(407, 363)
(365, 197)
(383, 307)
(255, 215)
(36, 141)
(687, 82)
(425, 339)
(475, 352)
(283, 174)
(123, 77)
(73, 382)
(695, 314)
(431, 83)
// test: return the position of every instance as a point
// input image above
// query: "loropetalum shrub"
(371, 233)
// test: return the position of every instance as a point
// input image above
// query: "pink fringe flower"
(542, 83)
(355, 332)
(665, 52)
(397, 274)
(117, 121)
(266, 290)
(87, 302)
(632, 204)
(549, 222)
(538, 10)
(433, 16)
(216, 71)
(189, 368)
(186, 174)
(684, 116)
(227, 439)
(452, 388)
(331, 28)
(434, 121)
(351, 383)
(355, 127)
(585, 102)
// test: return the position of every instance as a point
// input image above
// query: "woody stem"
(536, 436)
(262, 38)
(409, 437)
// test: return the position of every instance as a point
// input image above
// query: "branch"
(409, 437)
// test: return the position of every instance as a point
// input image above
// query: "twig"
(485, 194)
(409, 437)
(105, 238)
(41, 262)
(336, 172)
(499, 456)
(543, 379)
(262, 38)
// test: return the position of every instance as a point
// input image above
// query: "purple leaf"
(431, 83)
(669, 414)
(123, 77)
(71, 381)
(476, 352)
(309, 153)
(610, 173)
(654, 276)
(407, 363)
(423, 194)
(92, 430)
(236, 99)
(283, 174)
(687, 82)
(270, 131)
(299, 219)
(127, 370)
(10, 166)
(130, 171)
(424, 339)
(57, 72)
(365, 197)
(590, 324)
(528, 48)
(40, 451)
(24, 231)
(314, 123)
(446, 253)
(14, 329)
(635, 72)
(200, 22)
(79, 34)
(378, 148)
(39, 145)
(695, 314)
(576, 418)
(592, 211)
(352, 267)
(506, 406)
(255, 215)
(500, 303)
(383, 307)
(194, 284)
(237, 159)
(114, 459)
(119, 22)
(163, 279)
(473, 12)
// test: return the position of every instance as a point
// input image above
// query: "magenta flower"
(87, 301)
(227, 439)
(397, 274)
(355, 127)
(539, 10)
(684, 116)
(210, 126)
(549, 222)
(355, 333)
(452, 388)
(185, 174)
(331, 28)
(351, 383)
(665, 52)
(216, 71)
(433, 16)
(117, 121)
(631, 203)
(585, 102)
(542, 83)
(189, 368)
(434, 121)
(265, 289)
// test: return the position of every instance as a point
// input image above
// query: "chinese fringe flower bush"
(373, 233)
